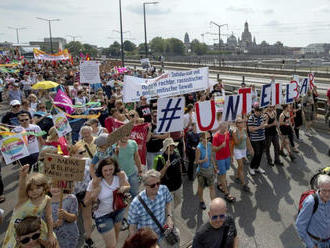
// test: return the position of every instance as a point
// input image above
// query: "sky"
(295, 23)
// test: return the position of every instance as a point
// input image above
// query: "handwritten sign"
(61, 124)
(64, 167)
(120, 133)
(90, 72)
(13, 148)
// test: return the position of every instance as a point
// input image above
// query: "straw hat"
(168, 142)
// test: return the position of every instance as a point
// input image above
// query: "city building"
(58, 44)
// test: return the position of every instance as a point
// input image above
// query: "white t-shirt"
(26, 84)
(105, 196)
(33, 143)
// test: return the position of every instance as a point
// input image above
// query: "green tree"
(74, 47)
(129, 46)
(114, 49)
(90, 50)
(158, 45)
(198, 48)
(176, 46)
(141, 48)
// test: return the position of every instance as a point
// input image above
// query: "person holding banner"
(222, 157)
(241, 144)
(286, 131)
(308, 108)
(256, 125)
(107, 219)
(32, 201)
(206, 168)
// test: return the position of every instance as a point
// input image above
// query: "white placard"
(90, 72)
(61, 124)
(13, 148)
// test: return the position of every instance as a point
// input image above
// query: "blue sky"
(294, 22)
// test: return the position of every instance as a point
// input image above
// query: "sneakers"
(202, 205)
(89, 243)
(260, 170)
(293, 158)
(308, 134)
(252, 171)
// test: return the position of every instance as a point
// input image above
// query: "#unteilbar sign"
(64, 168)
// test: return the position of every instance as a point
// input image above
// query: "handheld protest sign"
(64, 167)
(120, 133)
(13, 148)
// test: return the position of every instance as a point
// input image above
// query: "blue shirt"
(137, 215)
(98, 156)
(202, 155)
(317, 224)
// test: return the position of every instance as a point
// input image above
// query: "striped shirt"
(255, 121)
(137, 215)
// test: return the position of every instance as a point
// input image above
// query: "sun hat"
(168, 142)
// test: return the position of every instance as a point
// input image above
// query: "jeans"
(275, 140)
(258, 147)
(1, 183)
(133, 180)
(320, 244)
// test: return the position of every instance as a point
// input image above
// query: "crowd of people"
(43, 218)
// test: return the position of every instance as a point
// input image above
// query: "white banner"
(90, 72)
(61, 124)
(169, 84)
(13, 148)
(41, 55)
(170, 113)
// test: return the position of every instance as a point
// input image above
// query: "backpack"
(154, 165)
(304, 196)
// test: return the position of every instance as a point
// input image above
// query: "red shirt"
(218, 139)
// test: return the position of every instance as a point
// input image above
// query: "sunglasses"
(23, 120)
(154, 185)
(221, 216)
(132, 116)
(27, 239)
(81, 152)
(16, 106)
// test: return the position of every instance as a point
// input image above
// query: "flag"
(61, 97)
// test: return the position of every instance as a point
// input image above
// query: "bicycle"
(323, 171)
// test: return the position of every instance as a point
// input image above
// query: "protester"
(32, 201)
(206, 168)
(87, 140)
(313, 227)
(192, 140)
(308, 104)
(327, 106)
(242, 143)
(220, 231)
(220, 145)
(272, 136)
(10, 118)
(107, 220)
(34, 142)
(65, 217)
(286, 131)
(158, 199)
(59, 142)
(15, 93)
(256, 126)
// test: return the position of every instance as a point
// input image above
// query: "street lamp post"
(50, 30)
(73, 37)
(17, 29)
(145, 26)
(121, 36)
(219, 27)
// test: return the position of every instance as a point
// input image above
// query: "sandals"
(229, 198)
(2, 198)
(220, 188)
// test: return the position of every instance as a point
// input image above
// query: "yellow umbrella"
(44, 85)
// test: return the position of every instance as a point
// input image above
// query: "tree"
(141, 48)
(157, 45)
(74, 47)
(176, 46)
(90, 50)
(114, 49)
(129, 46)
(198, 48)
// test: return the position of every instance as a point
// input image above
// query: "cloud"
(240, 9)
(273, 23)
(151, 9)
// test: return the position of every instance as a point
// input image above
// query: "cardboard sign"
(120, 133)
(64, 167)
(90, 72)
(13, 148)
(65, 185)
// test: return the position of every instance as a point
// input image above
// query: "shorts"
(205, 181)
(239, 153)
(106, 222)
(223, 165)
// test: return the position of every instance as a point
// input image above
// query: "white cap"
(15, 102)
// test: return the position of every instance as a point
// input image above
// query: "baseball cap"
(15, 102)
(101, 140)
